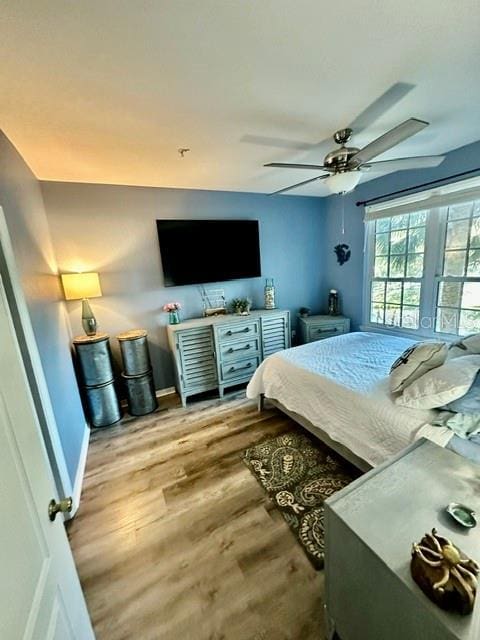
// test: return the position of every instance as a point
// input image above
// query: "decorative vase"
(269, 294)
(174, 317)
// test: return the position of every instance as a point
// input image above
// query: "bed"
(337, 388)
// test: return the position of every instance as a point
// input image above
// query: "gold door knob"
(54, 507)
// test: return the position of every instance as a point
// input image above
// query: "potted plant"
(241, 306)
(173, 308)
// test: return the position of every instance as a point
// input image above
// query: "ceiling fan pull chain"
(343, 214)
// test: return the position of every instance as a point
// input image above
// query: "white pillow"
(414, 362)
(441, 385)
(468, 346)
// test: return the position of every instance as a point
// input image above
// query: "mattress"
(341, 386)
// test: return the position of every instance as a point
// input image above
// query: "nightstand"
(313, 328)
(370, 526)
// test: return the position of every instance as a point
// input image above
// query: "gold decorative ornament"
(444, 573)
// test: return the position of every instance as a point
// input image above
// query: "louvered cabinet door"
(275, 333)
(196, 359)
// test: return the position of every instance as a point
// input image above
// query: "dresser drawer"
(236, 331)
(239, 369)
(320, 331)
(239, 350)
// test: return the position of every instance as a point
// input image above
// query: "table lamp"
(81, 286)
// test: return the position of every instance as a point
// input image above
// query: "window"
(398, 270)
(423, 262)
(458, 303)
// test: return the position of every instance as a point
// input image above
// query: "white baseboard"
(77, 486)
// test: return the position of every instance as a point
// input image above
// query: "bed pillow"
(416, 361)
(470, 402)
(468, 346)
(442, 385)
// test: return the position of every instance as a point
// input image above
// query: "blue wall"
(22, 203)
(348, 279)
(111, 229)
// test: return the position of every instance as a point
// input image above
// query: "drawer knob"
(232, 350)
(231, 333)
(327, 330)
(247, 366)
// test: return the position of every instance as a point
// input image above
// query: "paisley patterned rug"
(298, 474)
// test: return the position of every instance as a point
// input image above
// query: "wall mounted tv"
(201, 251)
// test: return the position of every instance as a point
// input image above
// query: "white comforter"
(341, 385)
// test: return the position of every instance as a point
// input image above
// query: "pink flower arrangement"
(172, 306)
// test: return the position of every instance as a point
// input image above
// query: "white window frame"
(436, 201)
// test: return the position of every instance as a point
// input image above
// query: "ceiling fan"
(344, 166)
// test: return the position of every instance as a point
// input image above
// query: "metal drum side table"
(95, 364)
(137, 375)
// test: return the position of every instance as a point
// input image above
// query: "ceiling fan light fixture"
(344, 182)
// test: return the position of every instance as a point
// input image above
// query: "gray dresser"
(370, 527)
(313, 328)
(223, 351)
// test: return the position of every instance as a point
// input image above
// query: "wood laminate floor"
(176, 540)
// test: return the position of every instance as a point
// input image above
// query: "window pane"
(394, 292)
(454, 264)
(382, 225)
(381, 244)
(475, 233)
(410, 317)
(471, 295)
(416, 240)
(397, 266)
(400, 222)
(415, 265)
(447, 320)
(474, 263)
(411, 293)
(392, 314)
(381, 267)
(418, 219)
(457, 211)
(378, 291)
(398, 242)
(457, 234)
(469, 322)
(449, 294)
(377, 313)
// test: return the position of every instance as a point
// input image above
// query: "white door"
(40, 594)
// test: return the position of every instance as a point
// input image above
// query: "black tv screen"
(201, 251)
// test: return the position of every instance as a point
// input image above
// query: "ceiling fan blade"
(290, 165)
(400, 164)
(380, 106)
(280, 143)
(390, 139)
(299, 184)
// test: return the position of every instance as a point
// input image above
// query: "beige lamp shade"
(81, 285)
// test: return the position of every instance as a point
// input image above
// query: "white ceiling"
(107, 91)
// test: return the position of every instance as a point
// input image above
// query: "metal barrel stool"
(137, 375)
(95, 364)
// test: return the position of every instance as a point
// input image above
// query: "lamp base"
(89, 322)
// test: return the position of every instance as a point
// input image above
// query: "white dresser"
(223, 351)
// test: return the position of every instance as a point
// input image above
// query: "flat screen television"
(201, 251)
